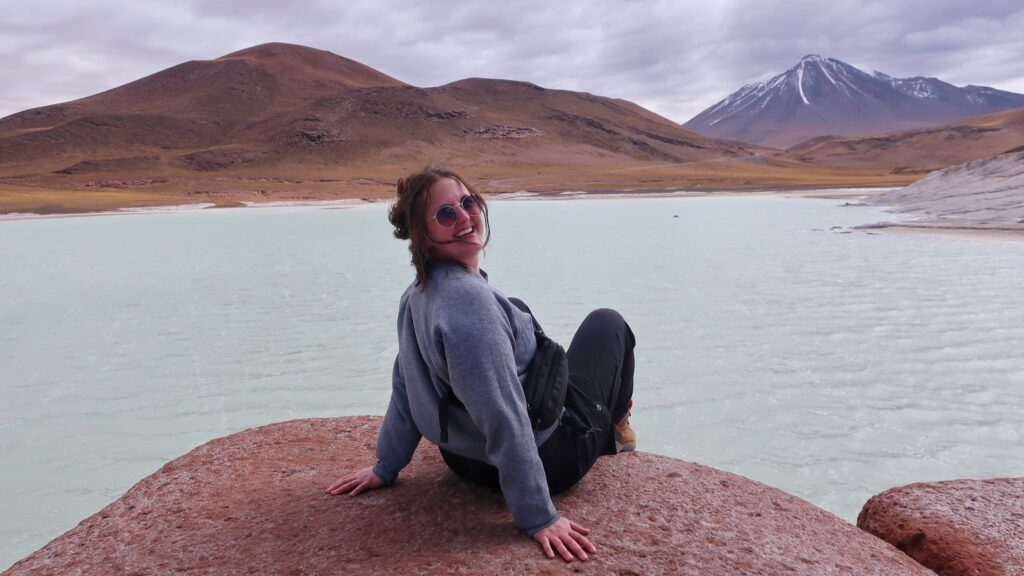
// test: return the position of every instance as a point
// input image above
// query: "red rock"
(973, 527)
(254, 503)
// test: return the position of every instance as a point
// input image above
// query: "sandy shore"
(960, 233)
(327, 204)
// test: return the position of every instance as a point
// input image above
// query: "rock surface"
(986, 193)
(254, 503)
(973, 527)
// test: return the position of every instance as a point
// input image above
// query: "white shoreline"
(910, 228)
(831, 194)
(202, 206)
(823, 193)
(348, 203)
(815, 193)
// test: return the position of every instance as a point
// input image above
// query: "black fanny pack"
(544, 388)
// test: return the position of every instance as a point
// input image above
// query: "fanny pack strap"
(450, 399)
(443, 406)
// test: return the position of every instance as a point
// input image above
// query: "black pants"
(600, 386)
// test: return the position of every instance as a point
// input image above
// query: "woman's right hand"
(355, 482)
(568, 538)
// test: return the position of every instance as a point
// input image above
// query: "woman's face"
(463, 241)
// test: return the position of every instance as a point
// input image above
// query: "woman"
(458, 334)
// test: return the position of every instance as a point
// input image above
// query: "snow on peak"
(817, 81)
(838, 94)
(800, 82)
(917, 87)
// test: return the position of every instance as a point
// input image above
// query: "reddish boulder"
(959, 527)
(253, 503)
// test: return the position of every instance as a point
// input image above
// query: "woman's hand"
(568, 538)
(356, 482)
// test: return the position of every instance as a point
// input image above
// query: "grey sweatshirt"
(459, 332)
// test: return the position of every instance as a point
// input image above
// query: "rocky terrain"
(984, 194)
(956, 528)
(254, 503)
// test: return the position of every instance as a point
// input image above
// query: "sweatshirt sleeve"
(398, 435)
(478, 345)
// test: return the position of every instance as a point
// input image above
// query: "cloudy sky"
(674, 57)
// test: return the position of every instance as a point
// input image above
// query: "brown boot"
(625, 436)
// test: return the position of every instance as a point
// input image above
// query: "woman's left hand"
(568, 538)
(355, 482)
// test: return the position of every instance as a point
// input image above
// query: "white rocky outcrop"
(986, 193)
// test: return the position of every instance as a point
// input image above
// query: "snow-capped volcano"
(821, 96)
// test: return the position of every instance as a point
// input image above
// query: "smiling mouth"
(466, 232)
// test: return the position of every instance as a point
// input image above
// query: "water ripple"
(831, 366)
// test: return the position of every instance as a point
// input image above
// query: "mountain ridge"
(822, 96)
(287, 122)
(918, 151)
(269, 98)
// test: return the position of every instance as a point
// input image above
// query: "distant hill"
(279, 105)
(286, 122)
(918, 151)
(824, 96)
(202, 98)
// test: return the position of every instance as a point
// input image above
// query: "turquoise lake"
(831, 365)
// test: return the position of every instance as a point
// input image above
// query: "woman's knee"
(600, 333)
(605, 320)
(605, 317)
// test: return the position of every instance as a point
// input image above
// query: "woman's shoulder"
(453, 281)
(448, 286)
(457, 294)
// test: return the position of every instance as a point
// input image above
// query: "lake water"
(830, 365)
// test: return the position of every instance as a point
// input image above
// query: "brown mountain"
(195, 105)
(278, 104)
(918, 151)
(280, 121)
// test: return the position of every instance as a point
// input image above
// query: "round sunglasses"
(447, 215)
